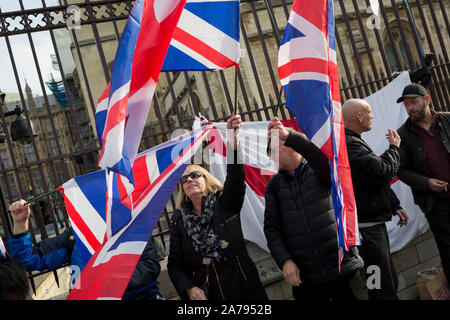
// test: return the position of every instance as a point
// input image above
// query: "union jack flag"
(307, 67)
(147, 33)
(206, 38)
(110, 261)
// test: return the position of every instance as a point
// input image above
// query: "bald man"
(375, 201)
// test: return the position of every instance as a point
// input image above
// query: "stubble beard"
(420, 115)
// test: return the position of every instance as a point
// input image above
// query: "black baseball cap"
(413, 90)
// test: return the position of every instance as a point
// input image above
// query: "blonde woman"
(208, 259)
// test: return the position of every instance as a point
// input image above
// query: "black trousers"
(335, 290)
(375, 250)
(439, 220)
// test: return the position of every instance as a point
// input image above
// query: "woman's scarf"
(199, 229)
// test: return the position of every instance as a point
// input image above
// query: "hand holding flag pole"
(29, 201)
(275, 112)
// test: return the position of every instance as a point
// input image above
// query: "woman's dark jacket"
(299, 220)
(371, 176)
(235, 278)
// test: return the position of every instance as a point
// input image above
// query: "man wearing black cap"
(425, 163)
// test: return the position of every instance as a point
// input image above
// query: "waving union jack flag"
(307, 67)
(136, 69)
(206, 37)
(110, 262)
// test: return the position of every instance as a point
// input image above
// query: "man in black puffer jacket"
(300, 225)
(375, 200)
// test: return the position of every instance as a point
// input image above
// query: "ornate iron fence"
(371, 49)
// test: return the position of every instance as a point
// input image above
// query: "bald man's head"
(357, 115)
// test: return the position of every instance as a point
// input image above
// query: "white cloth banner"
(388, 114)
(375, 7)
(253, 137)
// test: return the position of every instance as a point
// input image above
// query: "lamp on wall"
(20, 131)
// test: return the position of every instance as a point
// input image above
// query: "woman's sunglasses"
(192, 175)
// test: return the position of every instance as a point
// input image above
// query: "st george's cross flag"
(307, 67)
(110, 262)
(136, 69)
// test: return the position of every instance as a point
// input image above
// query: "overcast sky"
(21, 48)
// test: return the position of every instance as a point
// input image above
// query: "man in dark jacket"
(425, 164)
(300, 225)
(376, 203)
(54, 253)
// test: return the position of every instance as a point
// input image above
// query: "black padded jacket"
(299, 220)
(371, 176)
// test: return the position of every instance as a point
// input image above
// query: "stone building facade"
(33, 175)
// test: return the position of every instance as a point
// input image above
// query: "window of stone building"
(12, 188)
(36, 176)
(4, 157)
(53, 147)
(47, 125)
(400, 47)
(29, 153)
(60, 172)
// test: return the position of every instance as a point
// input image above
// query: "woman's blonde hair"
(212, 184)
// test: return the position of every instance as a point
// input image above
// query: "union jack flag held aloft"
(307, 67)
(206, 37)
(147, 33)
(110, 261)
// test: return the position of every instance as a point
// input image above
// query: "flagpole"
(236, 68)
(414, 29)
(278, 102)
(275, 111)
(41, 196)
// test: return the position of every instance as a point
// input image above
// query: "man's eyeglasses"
(192, 175)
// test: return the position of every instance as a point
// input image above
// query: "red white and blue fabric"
(111, 260)
(85, 200)
(2, 248)
(258, 170)
(206, 38)
(307, 68)
(147, 33)
(101, 112)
